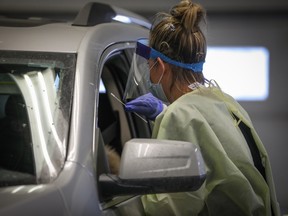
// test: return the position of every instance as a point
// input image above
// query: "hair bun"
(188, 14)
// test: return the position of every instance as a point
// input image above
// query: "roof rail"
(94, 13)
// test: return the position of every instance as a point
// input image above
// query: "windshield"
(35, 106)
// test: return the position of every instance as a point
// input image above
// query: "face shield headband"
(139, 73)
(147, 52)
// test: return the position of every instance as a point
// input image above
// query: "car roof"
(110, 24)
(50, 37)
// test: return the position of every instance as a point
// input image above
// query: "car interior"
(116, 125)
(16, 153)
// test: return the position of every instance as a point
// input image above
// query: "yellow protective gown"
(233, 185)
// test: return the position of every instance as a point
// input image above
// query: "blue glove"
(146, 105)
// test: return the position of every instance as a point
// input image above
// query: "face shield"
(139, 74)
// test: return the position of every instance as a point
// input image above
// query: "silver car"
(61, 86)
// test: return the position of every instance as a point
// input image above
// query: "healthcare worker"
(239, 178)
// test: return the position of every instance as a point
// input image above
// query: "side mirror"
(155, 166)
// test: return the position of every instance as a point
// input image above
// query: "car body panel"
(46, 38)
(74, 191)
(67, 38)
(31, 200)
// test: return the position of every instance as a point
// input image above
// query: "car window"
(118, 126)
(35, 103)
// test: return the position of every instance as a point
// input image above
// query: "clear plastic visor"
(140, 69)
(139, 72)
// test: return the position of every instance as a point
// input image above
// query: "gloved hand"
(146, 105)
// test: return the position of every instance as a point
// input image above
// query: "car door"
(117, 126)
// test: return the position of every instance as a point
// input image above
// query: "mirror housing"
(151, 166)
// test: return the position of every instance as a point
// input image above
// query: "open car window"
(118, 126)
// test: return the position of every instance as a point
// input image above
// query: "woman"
(239, 179)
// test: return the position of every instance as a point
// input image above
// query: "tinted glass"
(35, 105)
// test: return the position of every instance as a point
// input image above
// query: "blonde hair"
(178, 35)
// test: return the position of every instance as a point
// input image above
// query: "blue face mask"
(157, 89)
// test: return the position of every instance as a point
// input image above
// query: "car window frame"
(115, 49)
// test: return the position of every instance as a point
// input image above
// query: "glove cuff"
(157, 111)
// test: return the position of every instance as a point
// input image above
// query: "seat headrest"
(15, 106)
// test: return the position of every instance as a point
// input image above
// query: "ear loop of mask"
(153, 65)
(151, 69)
(160, 78)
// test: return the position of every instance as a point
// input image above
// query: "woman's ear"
(161, 65)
